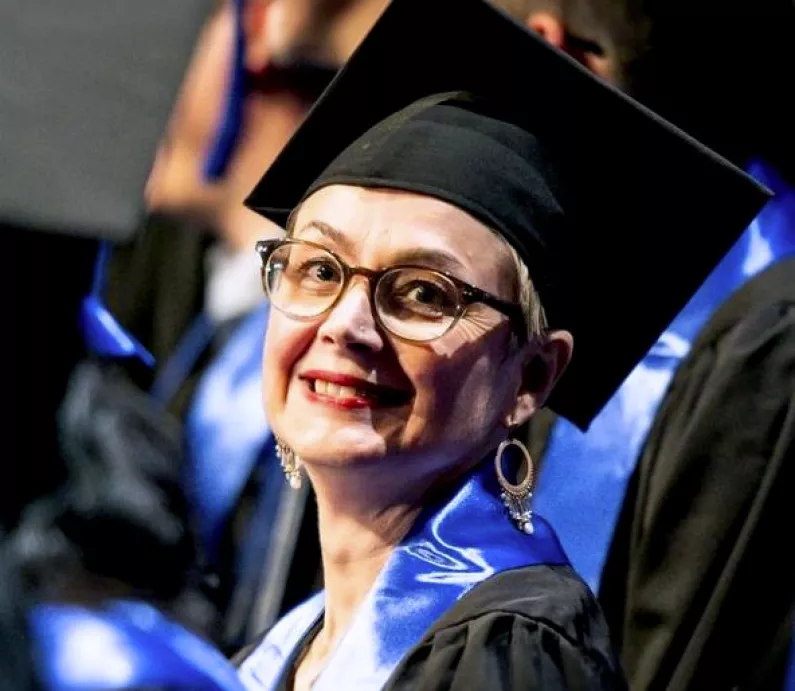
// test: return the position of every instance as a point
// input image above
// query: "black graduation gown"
(155, 288)
(700, 581)
(537, 627)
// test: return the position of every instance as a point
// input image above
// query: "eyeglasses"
(305, 280)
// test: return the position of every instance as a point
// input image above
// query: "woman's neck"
(364, 511)
(361, 520)
(355, 544)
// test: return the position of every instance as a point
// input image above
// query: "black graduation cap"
(620, 215)
(86, 89)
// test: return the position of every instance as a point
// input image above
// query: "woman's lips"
(348, 392)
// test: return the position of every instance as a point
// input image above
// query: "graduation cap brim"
(654, 211)
(86, 90)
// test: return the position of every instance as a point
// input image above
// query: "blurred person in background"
(676, 495)
(292, 50)
(97, 575)
(189, 288)
(199, 227)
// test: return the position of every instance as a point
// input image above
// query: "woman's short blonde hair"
(526, 295)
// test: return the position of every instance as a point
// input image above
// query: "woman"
(425, 303)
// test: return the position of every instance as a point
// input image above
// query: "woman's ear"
(547, 359)
(557, 352)
(255, 19)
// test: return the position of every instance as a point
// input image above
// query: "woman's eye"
(322, 271)
(425, 293)
(319, 270)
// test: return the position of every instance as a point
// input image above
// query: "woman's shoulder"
(523, 628)
(554, 597)
(554, 593)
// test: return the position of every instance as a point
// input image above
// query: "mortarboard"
(619, 215)
(86, 89)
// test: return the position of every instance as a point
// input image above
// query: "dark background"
(43, 279)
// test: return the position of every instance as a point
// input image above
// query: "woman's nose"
(352, 323)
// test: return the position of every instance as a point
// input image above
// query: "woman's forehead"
(386, 220)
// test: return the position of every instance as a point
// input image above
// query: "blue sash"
(454, 545)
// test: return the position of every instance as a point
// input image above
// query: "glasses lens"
(417, 304)
(302, 280)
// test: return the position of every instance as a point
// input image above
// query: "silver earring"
(291, 464)
(516, 498)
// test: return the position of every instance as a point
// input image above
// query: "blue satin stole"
(226, 429)
(454, 545)
(127, 645)
(584, 476)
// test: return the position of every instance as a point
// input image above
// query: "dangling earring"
(516, 498)
(291, 464)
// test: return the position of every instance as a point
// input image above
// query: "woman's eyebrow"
(422, 256)
(432, 258)
(328, 231)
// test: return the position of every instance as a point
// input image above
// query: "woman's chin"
(341, 448)
(325, 439)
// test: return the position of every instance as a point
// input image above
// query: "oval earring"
(291, 464)
(516, 498)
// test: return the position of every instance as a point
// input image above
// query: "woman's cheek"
(286, 342)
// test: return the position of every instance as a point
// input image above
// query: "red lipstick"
(349, 392)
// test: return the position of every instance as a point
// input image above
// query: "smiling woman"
(431, 232)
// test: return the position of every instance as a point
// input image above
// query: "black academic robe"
(155, 288)
(537, 627)
(700, 580)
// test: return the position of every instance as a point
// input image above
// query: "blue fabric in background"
(226, 429)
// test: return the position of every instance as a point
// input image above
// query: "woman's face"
(452, 395)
